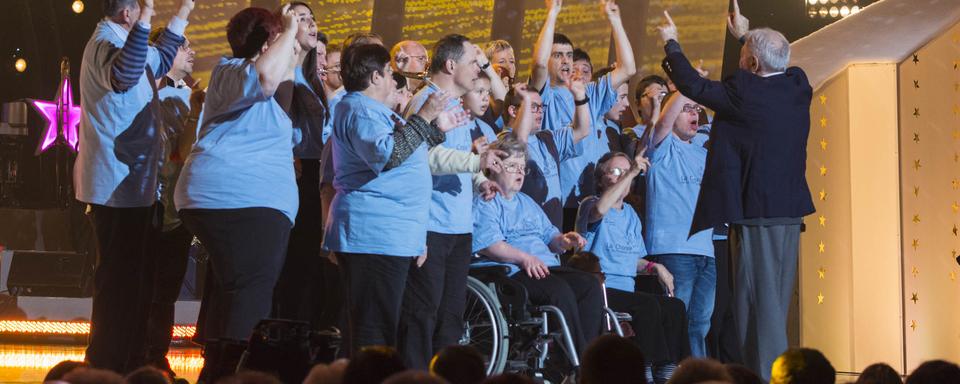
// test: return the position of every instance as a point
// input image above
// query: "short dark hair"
(373, 365)
(559, 38)
(579, 54)
(935, 371)
(600, 169)
(359, 62)
(459, 364)
(112, 8)
(743, 375)
(692, 370)
(449, 47)
(250, 29)
(360, 38)
(612, 359)
(63, 368)
(585, 261)
(322, 37)
(803, 366)
(879, 373)
(646, 82)
(147, 375)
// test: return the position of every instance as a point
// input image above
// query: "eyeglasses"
(616, 171)
(660, 95)
(687, 108)
(516, 168)
(536, 108)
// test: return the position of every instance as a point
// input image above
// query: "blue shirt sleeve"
(547, 230)
(565, 146)
(372, 140)
(238, 88)
(583, 216)
(486, 225)
(602, 96)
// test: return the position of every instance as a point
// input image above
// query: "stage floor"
(24, 363)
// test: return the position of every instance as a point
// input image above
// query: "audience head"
(459, 364)
(148, 375)
(621, 107)
(879, 373)
(501, 54)
(935, 371)
(477, 101)
(409, 56)
(250, 31)
(612, 359)
(92, 376)
(765, 51)
(361, 38)
(123, 12)
(514, 101)
(514, 166)
(802, 366)
(582, 66)
(610, 168)
(693, 371)
(332, 79)
(327, 374)
(743, 375)
(250, 377)
(650, 93)
(414, 377)
(508, 378)
(686, 124)
(62, 368)
(306, 24)
(364, 69)
(560, 64)
(372, 365)
(454, 56)
(183, 61)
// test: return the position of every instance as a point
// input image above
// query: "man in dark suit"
(754, 177)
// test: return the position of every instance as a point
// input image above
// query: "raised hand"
(490, 160)
(553, 6)
(642, 164)
(482, 59)
(737, 24)
(436, 103)
(448, 120)
(610, 8)
(290, 20)
(703, 72)
(577, 88)
(186, 6)
(668, 30)
(146, 11)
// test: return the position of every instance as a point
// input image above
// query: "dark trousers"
(373, 291)
(332, 291)
(121, 285)
(578, 295)
(766, 258)
(660, 323)
(722, 339)
(434, 299)
(173, 249)
(299, 291)
(247, 247)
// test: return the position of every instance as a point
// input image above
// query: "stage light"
(823, 12)
(70, 328)
(855, 9)
(812, 2)
(834, 11)
(844, 11)
(833, 1)
(77, 6)
(20, 65)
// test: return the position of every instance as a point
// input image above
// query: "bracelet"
(581, 102)
(648, 269)
(485, 66)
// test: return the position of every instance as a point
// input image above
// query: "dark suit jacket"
(757, 155)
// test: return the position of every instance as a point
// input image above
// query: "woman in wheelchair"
(614, 235)
(512, 230)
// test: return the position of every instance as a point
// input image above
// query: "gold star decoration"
(913, 325)
(956, 157)
(955, 183)
(916, 137)
(916, 164)
(823, 144)
(956, 86)
(955, 230)
(956, 134)
(915, 271)
(916, 218)
(956, 109)
(953, 254)
(916, 244)
(823, 221)
(823, 99)
(955, 207)
(823, 171)
(953, 276)
(823, 122)
(916, 84)
(916, 191)
(823, 195)
(916, 58)
(820, 298)
(956, 64)
(914, 298)
(822, 273)
(916, 112)
(821, 247)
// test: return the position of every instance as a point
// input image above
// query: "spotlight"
(844, 11)
(812, 2)
(20, 65)
(855, 9)
(823, 12)
(77, 6)
(834, 12)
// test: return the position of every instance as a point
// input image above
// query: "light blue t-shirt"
(243, 157)
(616, 239)
(480, 128)
(308, 124)
(519, 222)
(576, 173)
(673, 185)
(542, 184)
(326, 157)
(332, 108)
(375, 211)
(558, 103)
(450, 201)
(120, 146)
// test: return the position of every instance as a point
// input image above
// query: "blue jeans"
(695, 283)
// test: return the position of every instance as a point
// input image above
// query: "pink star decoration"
(68, 116)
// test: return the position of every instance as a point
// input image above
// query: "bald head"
(409, 56)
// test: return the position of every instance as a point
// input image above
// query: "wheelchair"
(516, 336)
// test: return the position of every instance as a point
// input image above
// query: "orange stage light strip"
(35, 357)
(70, 328)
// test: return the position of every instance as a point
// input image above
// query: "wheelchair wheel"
(484, 326)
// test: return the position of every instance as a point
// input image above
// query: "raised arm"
(668, 117)
(712, 94)
(274, 64)
(541, 51)
(498, 91)
(610, 197)
(581, 114)
(626, 66)
(522, 124)
(172, 38)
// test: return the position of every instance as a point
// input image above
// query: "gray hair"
(770, 48)
(113, 8)
(509, 143)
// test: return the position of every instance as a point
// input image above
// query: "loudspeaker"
(50, 274)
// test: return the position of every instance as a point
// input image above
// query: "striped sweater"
(132, 59)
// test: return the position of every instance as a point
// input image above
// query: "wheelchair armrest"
(489, 272)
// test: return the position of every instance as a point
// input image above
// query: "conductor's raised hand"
(737, 24)
(668, 30)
